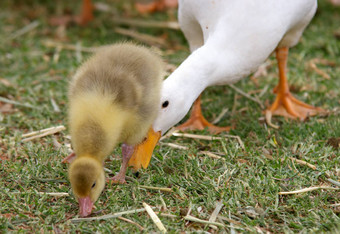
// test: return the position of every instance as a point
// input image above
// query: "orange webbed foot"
(198, 122)
(285, 104)
(288, 106)
(291, 107)
(118, 179)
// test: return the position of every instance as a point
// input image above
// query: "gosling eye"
(94, 184)
(165, 104)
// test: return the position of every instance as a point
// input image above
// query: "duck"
(230, 39)
(113, 98)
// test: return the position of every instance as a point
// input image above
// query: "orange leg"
(198, 122)
(285, 104)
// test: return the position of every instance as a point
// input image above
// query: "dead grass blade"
(167, 215)
(208, 138)
(147, 24)
(335, 205)
(41, 133)
(79, 56)
(169, 133)
(58, 45)
(154, 218)
(2, 99)
(232, 229)
(247, 95)
(238, 139)
(210, 154)
(55, 194)
(197, 220)
(52, 194)
(301, 162)
(263, 91)
(110, 216)
(145, 38)
(298, 161)
(230, 220)
(175, 146)
(163, 203)
(132, 222)
(306, 190)
(56, 54)
(269, 120)
(312, 64)
(24, 30)
(6, 82)
(214, 214)
(55, 105)
(220, 116)
(334, 182)
(169, 190)
(194, 136)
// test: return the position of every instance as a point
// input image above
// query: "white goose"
(229, 39)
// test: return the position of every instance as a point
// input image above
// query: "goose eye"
(94, 184)
(165, 104)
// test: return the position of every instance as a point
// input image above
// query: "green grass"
(242, 178)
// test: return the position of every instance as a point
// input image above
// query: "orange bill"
(143, 152)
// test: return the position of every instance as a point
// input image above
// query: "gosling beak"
(143, 152)
(85, 206)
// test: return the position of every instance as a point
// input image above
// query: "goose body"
(113, 99)
(229, 39)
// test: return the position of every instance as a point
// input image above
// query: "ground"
(245, 176)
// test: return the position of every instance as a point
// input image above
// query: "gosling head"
(87, 180)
